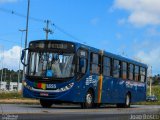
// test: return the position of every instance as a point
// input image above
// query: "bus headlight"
(24, 83)
(27, 86)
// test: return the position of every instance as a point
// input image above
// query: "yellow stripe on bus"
(100, 88)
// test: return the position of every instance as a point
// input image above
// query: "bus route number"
(51, 86)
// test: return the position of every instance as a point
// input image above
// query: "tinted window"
(94, 58)
(142, 74)
(84, 68)
(82, 53)
(82, 59)
(106, 61)
(130, 71)
(142, 71)
(124, 70)
(95, 68)
(116, 68)
(106, 66)
(136, 73)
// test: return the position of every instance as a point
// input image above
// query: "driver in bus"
(55, 66)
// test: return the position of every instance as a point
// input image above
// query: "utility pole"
(21, 30)
(5, 75)
(26, 38)
(150, 83)
(2, 67)
(47, 30)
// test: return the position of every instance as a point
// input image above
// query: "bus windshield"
(51, 65)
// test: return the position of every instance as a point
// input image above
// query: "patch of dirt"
(21, 101)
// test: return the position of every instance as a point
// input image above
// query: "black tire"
(127, 102)
(46, 103)
(97, 105)
(120, 105)
(89, 100)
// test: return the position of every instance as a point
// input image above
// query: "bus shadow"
(61, 106)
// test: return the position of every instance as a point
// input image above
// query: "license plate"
(51, 86)
(43, 94)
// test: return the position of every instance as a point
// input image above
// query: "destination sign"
(51, 45)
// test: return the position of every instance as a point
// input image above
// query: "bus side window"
(94, 66)
(106, 66)
(124, 70)
(130, 71)
(136, 73)
(116, 68)
(142, 74)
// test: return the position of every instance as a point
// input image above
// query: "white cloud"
(10, 58)
(153, 32)
(118, 36)
(94, 21)
(8, 1)
(141, 12)
(150, 54)
(121, 21)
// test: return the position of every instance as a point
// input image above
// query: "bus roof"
(105, 53)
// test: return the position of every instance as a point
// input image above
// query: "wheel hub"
(127, 100)
(89, 98)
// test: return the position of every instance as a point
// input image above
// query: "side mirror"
(22, 57)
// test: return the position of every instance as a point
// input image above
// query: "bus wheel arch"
(127, 99)
(88, 99)
(130, 95)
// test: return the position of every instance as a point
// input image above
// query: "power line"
(39, 20)
(20, 15)
(64, 32)
(4, 40)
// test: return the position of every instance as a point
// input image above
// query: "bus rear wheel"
(46, 103)
(127, 102)
(89, 100)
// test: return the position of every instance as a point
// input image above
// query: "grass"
(15, 98)
(10, 95)
(156, 92)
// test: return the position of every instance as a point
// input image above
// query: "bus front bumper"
(63, 94)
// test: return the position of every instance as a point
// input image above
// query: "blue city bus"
(59, 71)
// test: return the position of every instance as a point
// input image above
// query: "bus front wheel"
(89, 98)
(46, 103)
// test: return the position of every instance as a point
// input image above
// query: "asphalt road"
(74, 112)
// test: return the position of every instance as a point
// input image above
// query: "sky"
(130, 28)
